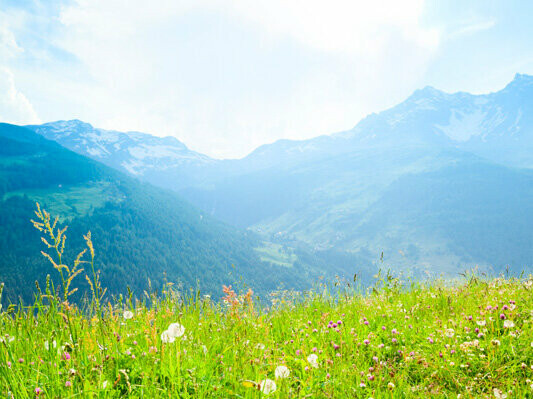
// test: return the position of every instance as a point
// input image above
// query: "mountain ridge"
(317, 191)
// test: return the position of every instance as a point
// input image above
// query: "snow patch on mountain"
(156, 151)
(464, 125)
(94, 152)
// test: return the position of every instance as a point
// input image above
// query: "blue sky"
(227, 76)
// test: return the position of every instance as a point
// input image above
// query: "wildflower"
(176, 330)
(362, 385)
(282, 372)
(508, 324)
(128, 314)
(66, 356)
(481, 322)
(391, 385)
(38, 391)
(167, 337)
(502, 316)
(313, 360)
(430, 340)
(68, 384)
(499, 394)
(495, 342)
(104, 384)
(366, 342)
(267, 386)
(21, 360)
(449, 333)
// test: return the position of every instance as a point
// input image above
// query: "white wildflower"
(267, 386)
(449, 333)
(167, 337)
(176, 330)
(481, 322)
(499, 394)
(313, 360)
(128, 314)
(508, 324)
(282, 372)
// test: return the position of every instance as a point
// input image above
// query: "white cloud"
(344, 26)
(472, 27)
(14, 106)
(8, 44)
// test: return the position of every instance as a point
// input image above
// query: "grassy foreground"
(473, 339)
(470, 339)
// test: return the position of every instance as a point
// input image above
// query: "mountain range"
(439, 183)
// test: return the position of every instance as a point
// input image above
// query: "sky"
(225, 77)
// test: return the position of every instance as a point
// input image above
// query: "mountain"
(142, 155)
(142, 234)
(468, 158)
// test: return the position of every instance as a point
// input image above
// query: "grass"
(276, 254)
(472, 338)
(70, 200)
